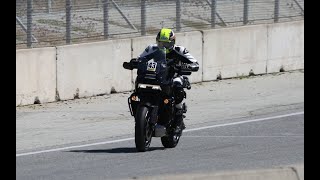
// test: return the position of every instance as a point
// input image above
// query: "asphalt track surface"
(270, 135)
(245, 144)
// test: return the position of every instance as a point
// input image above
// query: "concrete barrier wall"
(193, 42)
(35, 75)
(285, 46)
(93, 68)
(139, 44)
(232, 52)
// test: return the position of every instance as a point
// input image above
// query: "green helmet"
(166, 38)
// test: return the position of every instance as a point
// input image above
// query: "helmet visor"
(167, 45)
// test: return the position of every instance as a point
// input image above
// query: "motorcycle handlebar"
(133, 64)
(127, 65)
(184, 69)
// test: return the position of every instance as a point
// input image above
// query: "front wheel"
(143, 130)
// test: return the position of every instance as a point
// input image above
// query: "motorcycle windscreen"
(154, 71)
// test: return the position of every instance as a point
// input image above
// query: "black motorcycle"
(152, 103)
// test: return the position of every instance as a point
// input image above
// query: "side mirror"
(127, 65)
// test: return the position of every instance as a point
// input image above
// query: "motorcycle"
(152, 103)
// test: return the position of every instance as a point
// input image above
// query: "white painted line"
(295, 136)
(188, 130)
(242, 122)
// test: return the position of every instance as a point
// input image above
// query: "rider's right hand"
(127, 65)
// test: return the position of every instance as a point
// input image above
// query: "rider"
(166, 38)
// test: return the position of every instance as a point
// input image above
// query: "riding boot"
(180, 109)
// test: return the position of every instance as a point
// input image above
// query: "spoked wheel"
(143, 130)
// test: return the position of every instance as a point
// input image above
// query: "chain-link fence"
(41, 23)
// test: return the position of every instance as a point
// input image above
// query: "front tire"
(143, 131)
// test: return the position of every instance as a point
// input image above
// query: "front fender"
(153, 111)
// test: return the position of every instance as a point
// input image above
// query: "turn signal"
(134, 98)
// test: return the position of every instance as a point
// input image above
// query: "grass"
(190, 23)
(194, 24)
(20, 35)
(59, 23)
(81, 29)
(121, 25)
(113, 23)
(52, 22)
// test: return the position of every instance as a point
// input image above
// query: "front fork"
(134, 102)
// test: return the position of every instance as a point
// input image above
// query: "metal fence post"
(48, 6)
(178, 15)
(29, 23)
(276, 11)
(245, 12)
(213, 13)
(68, 21)
(143, 17)
(106, 19)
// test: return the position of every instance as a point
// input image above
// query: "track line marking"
(294, 136)
(188, 130)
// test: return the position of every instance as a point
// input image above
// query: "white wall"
(35, 75)
(232, 52)
(285, 46)
(93, 68)
(192, 41)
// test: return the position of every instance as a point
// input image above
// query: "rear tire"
(143, 131)
(171, 140)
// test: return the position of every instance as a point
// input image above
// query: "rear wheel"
(143, 130)
(171, 140)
